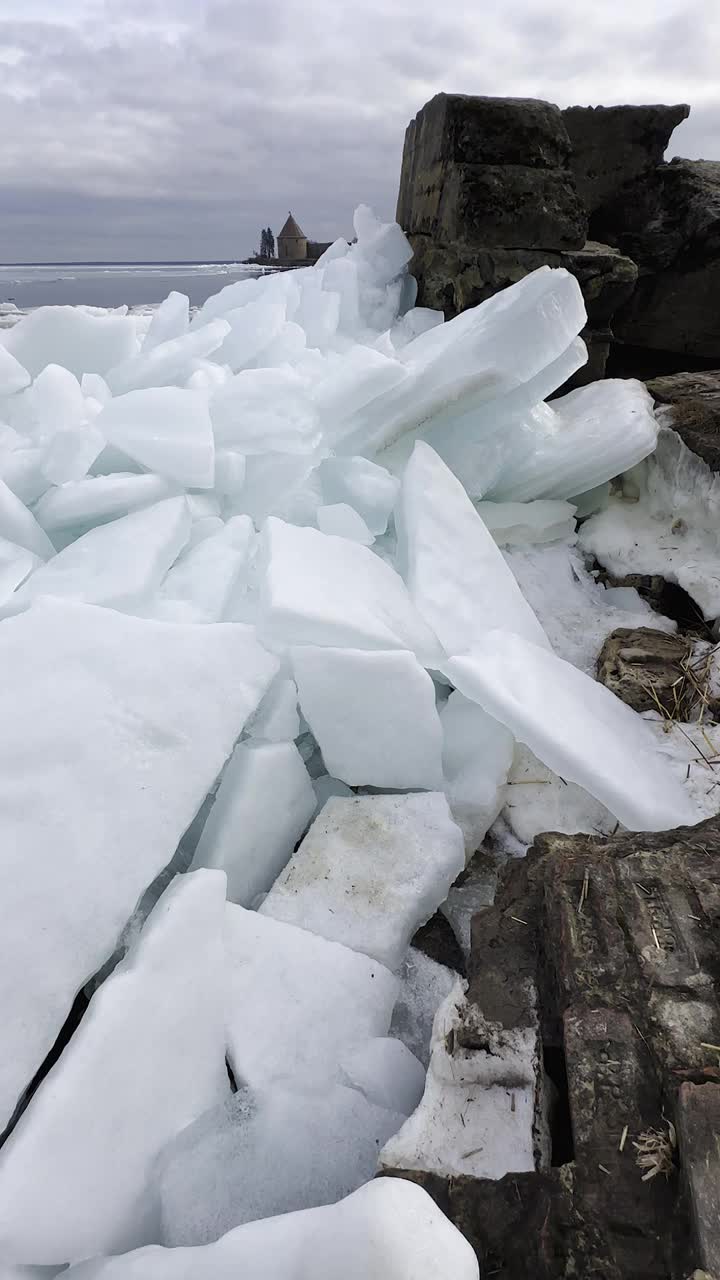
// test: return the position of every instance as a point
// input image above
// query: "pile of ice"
(267, 673)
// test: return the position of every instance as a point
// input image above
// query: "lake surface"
(114, 284)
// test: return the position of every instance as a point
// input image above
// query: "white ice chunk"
(416, 321)
(476, 1116)
(264, 803)
(373, 716)
(669, 524)
(19, 525)
(57, 402)
(147, 1059)
(477, 757)
(296, 1003)
(70, 453)
(323, 590)
(170, 320)
(201, 584)
(71, 337)
(586, 437)
(16, 563)
(424, 984)
(389, 1228)
(265, 411)
(268, 1151)
(94, 387)
(387, 1073)
(456, 575)
(371, 490)
(13, 377)
(277, 719)
(575, 726)
(22, 472)
(489, 352)
(230, 470)
(370, 871)
(515, 523)
(250, 329)
(169, 363)
(99, 498)
(344, 522)
(114, 731)
(167, 429)
(120, 564)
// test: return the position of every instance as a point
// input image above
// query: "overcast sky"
(161, 129)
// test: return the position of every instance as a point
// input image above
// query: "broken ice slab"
(148, 1057)
(70, 453)
(19, 526)
(575, 726)
(477, 1113)
(477, 756)
(371, 490)
(518, 523)
(16, 563)
(114, 760)
(296, 1003)
(169, 320)
(670, 526)
(370, 871)
(424, 985)
(201, 585)
(455, 573)
(268, 1151)
(321, 590)
(13, 377)
(167, 363)
(488, 352)
(265, 411)
(388, 1228)
(120, 564)
(577, 443)
(386, 1072)
(373, 715)
(263, 804)
(342, 520)
(167, 430)
(78, 504)
(79, 340)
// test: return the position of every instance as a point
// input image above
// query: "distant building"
(293, 248)
(292, 243)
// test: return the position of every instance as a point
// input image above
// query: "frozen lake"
(112, 284)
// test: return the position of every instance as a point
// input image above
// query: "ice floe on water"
(296, 605)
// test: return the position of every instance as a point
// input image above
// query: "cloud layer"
(161, 129)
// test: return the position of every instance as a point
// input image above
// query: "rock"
(615, 942)
(645, 668)
(490, 172)
(692, 408)
(486, 196)
(615, 155)
(674, 308)
(699, 1136)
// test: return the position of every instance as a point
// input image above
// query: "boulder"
(674, 308)
(490, 172)
(691, 406)
(609, 946)
(615, 156)
(645, 668)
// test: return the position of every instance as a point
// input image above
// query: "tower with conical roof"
(292, 242)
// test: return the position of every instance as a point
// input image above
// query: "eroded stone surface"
(645, 669)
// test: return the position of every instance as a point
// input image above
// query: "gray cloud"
(175, 128)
